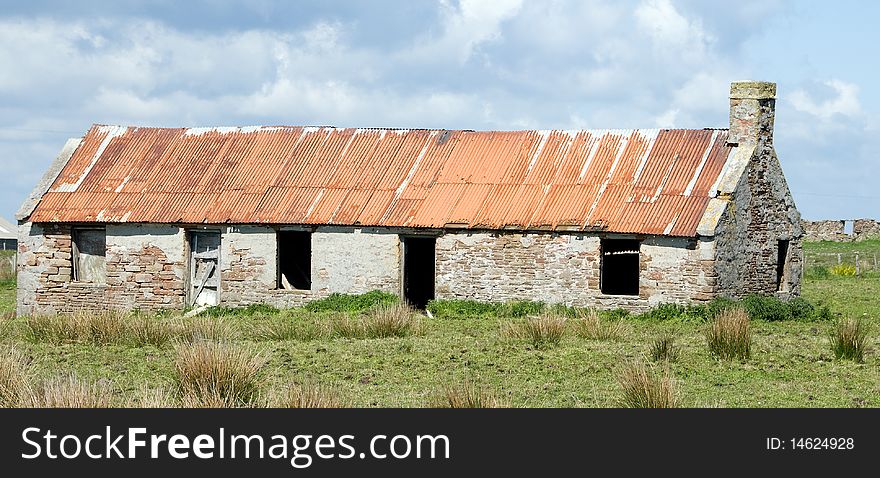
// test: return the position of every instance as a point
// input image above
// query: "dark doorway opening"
(619, 273)
(295, 260)
(418, 270)
(781, 263)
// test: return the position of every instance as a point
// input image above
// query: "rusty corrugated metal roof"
(628, 181)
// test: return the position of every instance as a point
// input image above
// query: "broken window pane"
(89, 255)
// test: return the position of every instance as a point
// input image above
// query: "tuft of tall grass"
(465, 395)
(310, 394)
(663, 348)
(394, 320)
(101, 328)
(150, 397)
(646, 387)
(68, 391)
(199, 329)
(216, 375)
(290, 328)
(13, 377)
(849, 338)
(543, 331)
(729, 334)
(590, 325)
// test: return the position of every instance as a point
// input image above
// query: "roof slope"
(7, 230)
(630, 181)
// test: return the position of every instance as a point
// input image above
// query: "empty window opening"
(204, 247)
(418, 270)
(782, 265)
(619, 273)
(89, 255)
(848, 227)
(295, 260)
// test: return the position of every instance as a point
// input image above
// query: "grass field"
(791, 363)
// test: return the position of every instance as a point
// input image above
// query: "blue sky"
(493, 64)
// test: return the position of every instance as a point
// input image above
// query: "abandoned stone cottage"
(149, 218)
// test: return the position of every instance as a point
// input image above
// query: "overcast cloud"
(495, 64)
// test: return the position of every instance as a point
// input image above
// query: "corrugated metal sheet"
(631, 181)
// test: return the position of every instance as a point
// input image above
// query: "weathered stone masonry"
(565, 268)
(146, 268)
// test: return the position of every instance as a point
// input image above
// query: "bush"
(848, 339)
(543, 331)
(767, 308)
(465, 395)
(801, 309)
(817, 272)
(843, 270)
(217, 375)
(69, 392)
(351, 303)
(248, 311)
(521, 308)
(645, 387)
(455, 308)
(663, 348)
(729, 335)
(590, 325)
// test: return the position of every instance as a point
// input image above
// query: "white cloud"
(470, 64)
(846, 101)
(672, 32)
(464, 28)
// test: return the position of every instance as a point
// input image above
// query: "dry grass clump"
(13, 377)
(590, 325)
(729, 335)
(663, 348)
(465, 395)
(645, 387)
(394, 320)
(68, 391)
(217, 375)
(849, 338)
(288, 328)
(542, 331)
(101, 328)
(153, 397)
(310, 394)
(198, 329)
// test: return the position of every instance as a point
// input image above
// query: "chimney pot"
(752, 111)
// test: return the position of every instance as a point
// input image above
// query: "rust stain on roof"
(629, 181)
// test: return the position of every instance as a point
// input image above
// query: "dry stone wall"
(835, 230)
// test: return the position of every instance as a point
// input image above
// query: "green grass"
(791, 362)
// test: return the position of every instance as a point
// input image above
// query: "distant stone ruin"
(841, 230)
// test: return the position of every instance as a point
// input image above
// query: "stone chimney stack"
(752, 110)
